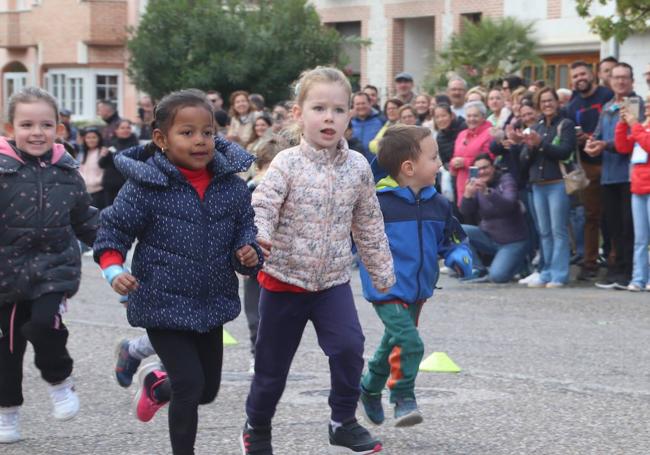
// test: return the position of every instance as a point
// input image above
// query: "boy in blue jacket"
(420, 227)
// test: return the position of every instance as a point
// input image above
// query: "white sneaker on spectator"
(537, 283)
(533, 276)
(64, 400)
(634, 287)
(9, 429)
(555, 285)
(446, 270)
(251, 366)
(647, 287)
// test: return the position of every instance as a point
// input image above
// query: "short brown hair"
(540, 92)
(31, 95)
(400, 143)
(268, 148)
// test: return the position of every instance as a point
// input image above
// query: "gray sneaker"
(407, 413)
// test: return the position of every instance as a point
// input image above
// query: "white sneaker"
(9, 431)
(647, 287)
(536, 283)
(554, 285)
(532, 277)
(251, 366)
(634, 287)
(445, 270)
(64, 400)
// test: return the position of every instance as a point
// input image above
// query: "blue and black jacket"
(420, 228)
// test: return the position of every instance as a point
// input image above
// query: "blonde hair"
(319, 75)
(479, 91)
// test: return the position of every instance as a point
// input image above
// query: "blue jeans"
(641, 218)
(578, 229)
(552, 209)
(508, 257)
(533, 229)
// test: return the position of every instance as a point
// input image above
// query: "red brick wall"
(554, 9)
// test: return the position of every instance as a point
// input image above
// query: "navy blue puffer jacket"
(184, 259)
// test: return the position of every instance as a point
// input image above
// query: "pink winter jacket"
(308, 204)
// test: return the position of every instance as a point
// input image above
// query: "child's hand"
(247, 256)
(124, 283)
(265, 246)
(460, 259)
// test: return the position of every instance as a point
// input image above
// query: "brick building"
(73, 48)
(76, 48)
(405, 34)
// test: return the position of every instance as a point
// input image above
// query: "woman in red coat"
(633, 137)
(469, 144)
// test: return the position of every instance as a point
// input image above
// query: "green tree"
(631, 16)
(484, 51)
(228, 45)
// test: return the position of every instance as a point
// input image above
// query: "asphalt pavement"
(544, 371)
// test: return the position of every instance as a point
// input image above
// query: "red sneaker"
(150, 376)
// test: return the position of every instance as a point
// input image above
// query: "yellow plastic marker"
(439, 362)
(228, 339)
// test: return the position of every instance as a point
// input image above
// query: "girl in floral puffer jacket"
(309, 201)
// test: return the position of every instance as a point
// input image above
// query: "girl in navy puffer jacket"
(194, 223)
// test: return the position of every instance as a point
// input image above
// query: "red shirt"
(273, 284)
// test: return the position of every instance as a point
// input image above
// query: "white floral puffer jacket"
(308, 204)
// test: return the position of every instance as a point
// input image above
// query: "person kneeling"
(502, 230)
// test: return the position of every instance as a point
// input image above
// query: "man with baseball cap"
(404, 87)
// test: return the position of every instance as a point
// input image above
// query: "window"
(106, 88)
(68, 92)
(79, 89)
(555, 69)
(474, 18)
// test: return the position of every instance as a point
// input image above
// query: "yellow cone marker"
(228, 339)
(439, 362)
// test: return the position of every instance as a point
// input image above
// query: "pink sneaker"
(150, 376)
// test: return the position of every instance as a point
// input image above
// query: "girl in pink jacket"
(310, 200)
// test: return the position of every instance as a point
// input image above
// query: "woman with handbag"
(548, 144)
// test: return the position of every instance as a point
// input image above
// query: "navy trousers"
(283, 317)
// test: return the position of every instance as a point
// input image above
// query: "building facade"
(404, 34)
(76, 48)
(73, 48)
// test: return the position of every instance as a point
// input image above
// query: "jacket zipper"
(330, 186)
(420, 265)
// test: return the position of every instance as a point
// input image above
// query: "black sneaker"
(353, 438)
(587, 274)
(256, 441)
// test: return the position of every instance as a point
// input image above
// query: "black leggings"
(193, 363)
(39, 322)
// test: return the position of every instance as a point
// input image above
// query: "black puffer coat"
(44, 206)
(447, 138)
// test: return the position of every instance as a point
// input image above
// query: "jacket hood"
(11, 158)
(148, 165)
(389, 184)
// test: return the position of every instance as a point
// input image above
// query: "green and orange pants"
(397, 359)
